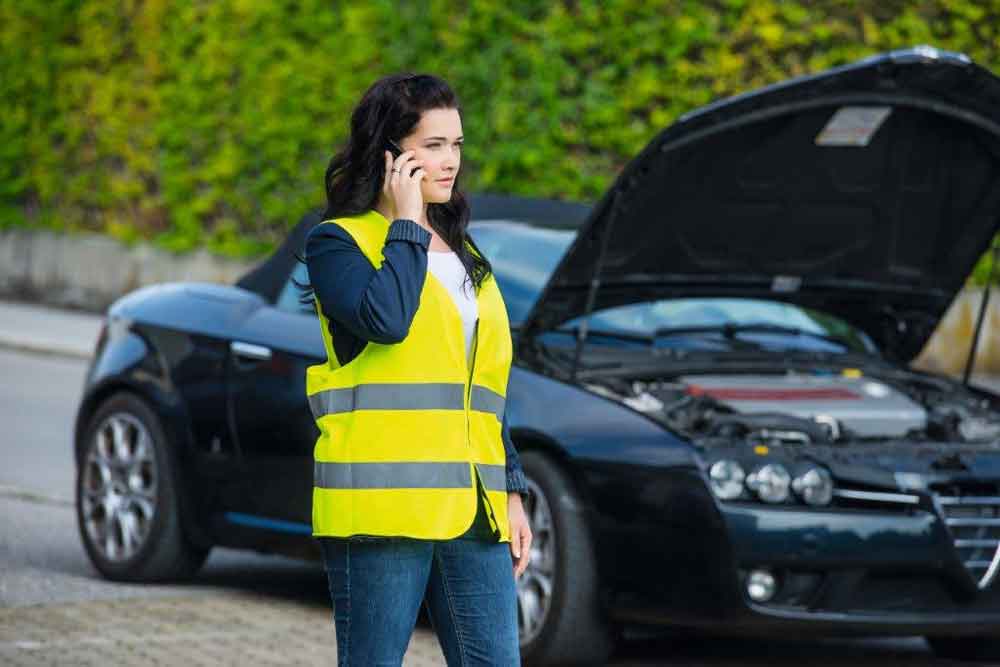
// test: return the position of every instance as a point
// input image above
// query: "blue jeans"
(377, 585)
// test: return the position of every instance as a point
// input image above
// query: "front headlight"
(726, 478)
(814, 486)
(770, 482)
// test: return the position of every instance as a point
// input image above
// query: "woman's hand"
(520, 533)
(403, 188)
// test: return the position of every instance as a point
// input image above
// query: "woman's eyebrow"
(442, 138)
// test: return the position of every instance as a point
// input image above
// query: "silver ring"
(395, 171)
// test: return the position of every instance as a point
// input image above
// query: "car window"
(288, 300)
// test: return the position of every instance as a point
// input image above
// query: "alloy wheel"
(118, 490)
(534, 587)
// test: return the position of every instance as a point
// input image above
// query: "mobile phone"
(394, 148)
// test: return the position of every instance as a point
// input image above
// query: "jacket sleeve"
(516, 482)
(374, 304)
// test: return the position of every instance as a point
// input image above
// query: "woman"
(417, 486)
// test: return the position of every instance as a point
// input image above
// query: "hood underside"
(868, 191)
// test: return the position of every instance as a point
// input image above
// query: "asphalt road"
(45, 576)
(38, 399)
(41, 557)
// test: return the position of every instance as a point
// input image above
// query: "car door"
(269, 413)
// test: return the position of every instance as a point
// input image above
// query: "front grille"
(974, 524)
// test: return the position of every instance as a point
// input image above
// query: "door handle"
(249, 350)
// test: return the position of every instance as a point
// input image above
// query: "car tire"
(568, 626)
(966, 648)
(127, 496)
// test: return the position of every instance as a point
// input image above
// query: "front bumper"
(839, 572)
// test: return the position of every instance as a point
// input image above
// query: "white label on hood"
(852, 126)
(785, 283)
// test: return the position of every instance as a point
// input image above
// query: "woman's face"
(437, 140)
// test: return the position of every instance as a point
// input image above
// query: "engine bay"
(802, 408)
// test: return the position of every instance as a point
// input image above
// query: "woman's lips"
(446, 181)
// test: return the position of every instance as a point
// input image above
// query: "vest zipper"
(468, 389)
(480, 486)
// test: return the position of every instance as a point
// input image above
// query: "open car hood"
(868, 191)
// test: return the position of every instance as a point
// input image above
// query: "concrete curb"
(21, 345)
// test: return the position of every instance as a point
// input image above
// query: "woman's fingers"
(401, 167)
(518, 560)
(524, 541)
(520, 546)
(401, 161)
(409, 167)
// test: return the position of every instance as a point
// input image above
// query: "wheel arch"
(530, 440)
(172, 414)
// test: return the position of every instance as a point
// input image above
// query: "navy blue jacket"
(378, 305)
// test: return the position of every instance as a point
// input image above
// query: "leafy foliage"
(210, 123)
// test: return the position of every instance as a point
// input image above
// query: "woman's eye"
(436, 146)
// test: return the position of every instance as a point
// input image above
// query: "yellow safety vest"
(407, 433)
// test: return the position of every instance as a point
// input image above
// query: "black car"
(710, 393)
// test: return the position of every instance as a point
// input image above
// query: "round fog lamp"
(726, 478)
(770, 482)
(814, 486)
(761, 585)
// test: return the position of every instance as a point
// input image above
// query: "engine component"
(866, 407)
(957, 417)
(769, 428)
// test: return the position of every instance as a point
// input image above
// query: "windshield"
(717, 323)
(523, 257)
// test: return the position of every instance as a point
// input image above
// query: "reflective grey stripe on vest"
(494, 477)
(409, 475)
(389, 396)
(485, 399)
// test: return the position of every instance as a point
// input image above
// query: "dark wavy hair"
(390, 110)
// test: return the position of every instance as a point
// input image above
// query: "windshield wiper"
(729, 330)
(610, 333)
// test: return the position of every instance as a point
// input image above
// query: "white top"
(448, 268)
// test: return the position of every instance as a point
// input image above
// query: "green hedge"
(210, 123)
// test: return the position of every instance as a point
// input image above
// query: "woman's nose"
(451, 159)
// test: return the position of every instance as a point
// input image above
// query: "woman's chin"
(438, 196)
